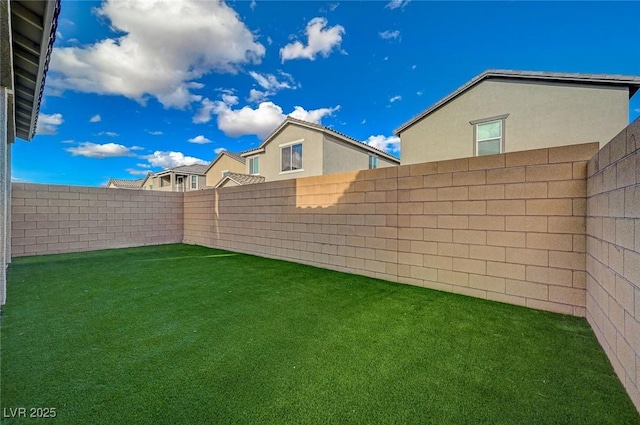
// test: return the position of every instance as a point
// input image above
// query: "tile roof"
(633, 82)
(326, 130)
(241, 179)
(127, 184)
(186, 169)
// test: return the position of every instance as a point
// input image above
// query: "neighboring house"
(301, 149)
(226, 162)
(178, 179)
(504, 111)
(127, 184)
(27, 34)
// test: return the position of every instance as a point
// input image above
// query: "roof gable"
(231, 155)
(632, 82)
(322, 129)
(240, 179)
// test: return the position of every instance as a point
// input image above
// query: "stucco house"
(502, 111)
(27, 33)
(299, 148)
(183, 178)
(226, 162)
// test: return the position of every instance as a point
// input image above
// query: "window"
(194, 182)
(373, 162)
(254, 165)
(291, 157)
(489, 135)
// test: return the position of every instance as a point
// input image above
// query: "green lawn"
(179, 334)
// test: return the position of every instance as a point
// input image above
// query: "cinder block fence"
(508, 227)
(50, 219)
(555, 229)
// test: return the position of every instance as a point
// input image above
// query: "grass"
(184, 334)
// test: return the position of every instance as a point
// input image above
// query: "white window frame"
(256, 158)
(194, 182)
(373, 162)
(476, 123)
(290, 145)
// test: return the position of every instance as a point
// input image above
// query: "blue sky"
(139, 85)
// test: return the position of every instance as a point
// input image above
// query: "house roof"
(323, 129)
(632, 82)
(240, 179)
(198, 169)
(231, 155)
(127, 184)
(33, 31)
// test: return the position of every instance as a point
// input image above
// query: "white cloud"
(107, 150)
(256, 96)
(320, 40)
(394, 4)
(95, 118)
(204, 113)
(314, 116)
(386, 58)
(142, 165)
(135, 172)
(260, 121)
(253, 5)
(389, 144)
(217, 151)
(270, 82)
(363, 121)
(395, 98)
(108, 133)
(333, 6)
(389, 35)
(48, 124)
(162, 47)
(155, 133)
(637, 110)
(414, 66)
(170, 159)
(200, 140)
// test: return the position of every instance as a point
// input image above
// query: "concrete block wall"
(507, 227)
(51, 219)
(613, 254)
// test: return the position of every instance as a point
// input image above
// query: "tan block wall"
(49, 219)
(507, 227)
(613, 254)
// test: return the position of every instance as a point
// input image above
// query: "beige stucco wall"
(225, 162)
(540, 115)
(311, 154)
(339, 157)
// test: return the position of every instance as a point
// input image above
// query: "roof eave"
(633, 83)
(47, 38)
(247, 154)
